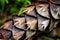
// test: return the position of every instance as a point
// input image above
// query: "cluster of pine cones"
(41, 18)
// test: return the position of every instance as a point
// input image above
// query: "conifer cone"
(37, 19)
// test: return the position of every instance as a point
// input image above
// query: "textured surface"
(36, 20)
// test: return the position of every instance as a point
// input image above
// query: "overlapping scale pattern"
(41, 17)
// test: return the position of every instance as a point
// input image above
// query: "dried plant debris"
(43, 10)
(31, 22)
(19, 22)
(55, 1)
(55, 11)
(42, 23)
